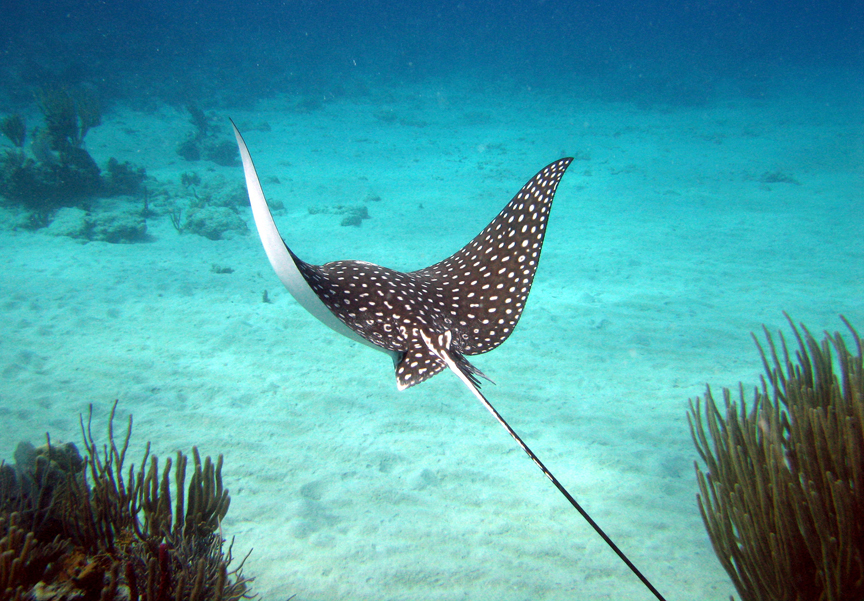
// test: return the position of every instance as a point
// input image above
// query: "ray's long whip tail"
(448, 359)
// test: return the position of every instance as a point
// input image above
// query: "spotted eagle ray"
(430, 319)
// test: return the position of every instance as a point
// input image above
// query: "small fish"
(430, 319)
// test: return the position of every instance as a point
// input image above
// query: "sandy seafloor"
(666, 248)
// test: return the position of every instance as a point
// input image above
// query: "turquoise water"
(686, 222)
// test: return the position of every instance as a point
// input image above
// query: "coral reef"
(188, 149)
(204, 141)
(199, 120)
(353, 216)
(212, 222)
(783, 495)
(58, 172)
(213, 208)
(13, 128)
(120, 224)
(69, 115)
(778, 177)
(123, 178)
(52, 181)
(222, 153)
(79, 528)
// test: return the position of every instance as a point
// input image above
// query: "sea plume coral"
(13, 128)
(79, 527)
(783, 496)
(69, 115)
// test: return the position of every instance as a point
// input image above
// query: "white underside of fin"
(281, 260)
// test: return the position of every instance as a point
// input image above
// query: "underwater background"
(717, 182)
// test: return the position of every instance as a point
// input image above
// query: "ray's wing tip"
(559, 166)
(235, 128)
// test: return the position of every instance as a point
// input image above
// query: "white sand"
(664, 251)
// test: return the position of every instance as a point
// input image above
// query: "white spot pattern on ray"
(478, 293)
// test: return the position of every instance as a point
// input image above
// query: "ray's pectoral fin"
(284, 262)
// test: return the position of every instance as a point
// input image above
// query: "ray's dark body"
(477, 294)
